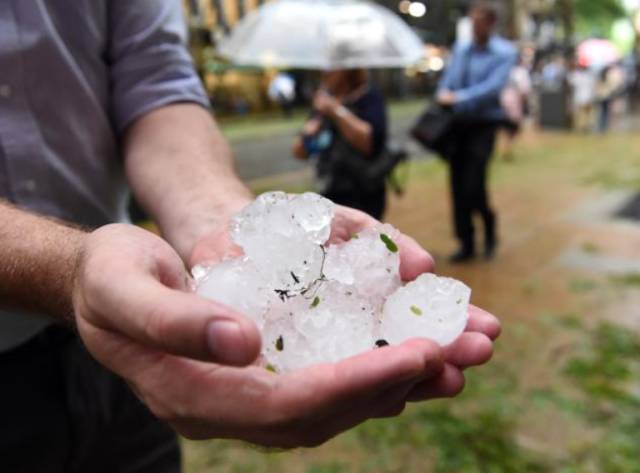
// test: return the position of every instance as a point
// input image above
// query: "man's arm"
(181, 170)
(488, 89)
(38, 258)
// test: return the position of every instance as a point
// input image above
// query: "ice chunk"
(237, 284)
(306, 216)
(329, 325)
(320, 304)
(283, 235)
(431, 307)
(370, 262)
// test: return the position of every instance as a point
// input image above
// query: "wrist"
(203, 218)
(340, 111)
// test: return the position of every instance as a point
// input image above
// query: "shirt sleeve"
(150, 65)
(488, 90)
(446, 81)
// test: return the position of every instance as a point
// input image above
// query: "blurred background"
(563, 391)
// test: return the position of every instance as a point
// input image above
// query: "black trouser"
(61, 412)
(469, 157)
(371, 202)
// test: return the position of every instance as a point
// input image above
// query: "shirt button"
(5, 91)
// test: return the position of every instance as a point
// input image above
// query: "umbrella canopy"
(597, 53)
(322, 34)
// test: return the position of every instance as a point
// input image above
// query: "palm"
(137, 316)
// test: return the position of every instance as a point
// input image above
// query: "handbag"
(432, 129)
(369, 174)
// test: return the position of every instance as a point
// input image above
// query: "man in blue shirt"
(104, 348)
(471, 87)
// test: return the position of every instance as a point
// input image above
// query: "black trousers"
(469, 156)
(373, 203)
(61, 412)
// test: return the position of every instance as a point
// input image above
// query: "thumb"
(177, 322)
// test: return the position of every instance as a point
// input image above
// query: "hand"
(136, 315)
(325, 103)
(447, 98)
(310, 405)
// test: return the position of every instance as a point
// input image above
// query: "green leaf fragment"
(271, 368)
(315, 302)
(416, 310)
(355, 236)
(389, 243)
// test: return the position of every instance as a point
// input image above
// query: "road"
(264, 154)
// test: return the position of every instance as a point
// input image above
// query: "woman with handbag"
(346, 135)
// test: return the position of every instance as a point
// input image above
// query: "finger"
(213, 249)
(325, 390)
(470, 349)
(449, 384)
(172, 321)
(388, 403)
(414, 260)
(347, 222)
(483, 322)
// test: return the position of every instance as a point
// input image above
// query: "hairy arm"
(39, 258)
(181, 170)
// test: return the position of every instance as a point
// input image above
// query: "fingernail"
(225, 340)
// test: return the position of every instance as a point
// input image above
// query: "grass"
(631, 280)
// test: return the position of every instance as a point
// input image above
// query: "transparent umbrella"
(322, 34)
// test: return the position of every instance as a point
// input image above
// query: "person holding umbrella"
(348, 124)
(347, 130)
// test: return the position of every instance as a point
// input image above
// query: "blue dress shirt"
(477, 76)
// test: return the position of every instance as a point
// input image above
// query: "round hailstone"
(336, 324)
(279, 340)
(237, 284)
(370, 262)
(330, 325)
(431, 307)
(308, 216)
(282, 236)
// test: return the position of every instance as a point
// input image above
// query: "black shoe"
(463, 255)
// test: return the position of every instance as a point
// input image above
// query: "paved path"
(262, 156)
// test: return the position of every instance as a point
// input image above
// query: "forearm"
(38, 261)
(181, 171)
(357, 132)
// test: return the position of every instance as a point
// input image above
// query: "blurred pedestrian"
(608, 87)
(583, 80)
(515, 102)
(471, 87)
(347, 130)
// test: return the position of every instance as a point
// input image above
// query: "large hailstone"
(431, 307)
(315, 303)
(283, 236)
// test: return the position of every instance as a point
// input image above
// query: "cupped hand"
(191, 360)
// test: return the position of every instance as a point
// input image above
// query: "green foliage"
(627, 280)
(596, 16)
